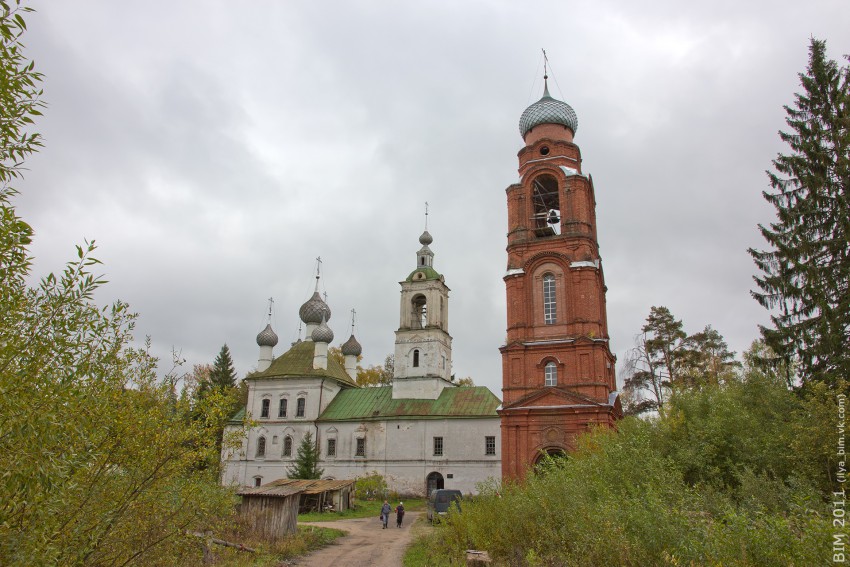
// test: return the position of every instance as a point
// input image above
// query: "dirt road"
(366, 545)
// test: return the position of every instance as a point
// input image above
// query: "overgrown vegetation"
(306, 540)
(734, 474)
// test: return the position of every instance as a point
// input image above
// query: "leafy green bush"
(371, 487)
(709, 482)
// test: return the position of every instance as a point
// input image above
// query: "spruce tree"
(806, 267)
(306, 465)
(223, 374)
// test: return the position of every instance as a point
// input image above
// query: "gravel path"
(366, 545)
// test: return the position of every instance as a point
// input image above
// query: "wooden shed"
(271, 510)
(318, 495)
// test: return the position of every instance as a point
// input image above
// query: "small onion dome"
(351, 347)
(314, 310)
(267, 337)
(426, 238)
(547, 110)
(322, 333)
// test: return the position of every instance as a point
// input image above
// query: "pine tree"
(306, 465)
(653, 364)
(806, 268)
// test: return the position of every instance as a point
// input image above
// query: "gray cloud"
(214, 153)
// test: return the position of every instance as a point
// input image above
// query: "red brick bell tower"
(557, 368)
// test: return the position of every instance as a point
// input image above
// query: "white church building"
(422, 432)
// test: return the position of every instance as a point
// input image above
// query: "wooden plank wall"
(271, 518)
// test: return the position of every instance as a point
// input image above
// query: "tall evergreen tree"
(805, 269)
(306, 465)
(223, 374)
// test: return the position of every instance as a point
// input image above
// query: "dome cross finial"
(271, 303)
(318, 271)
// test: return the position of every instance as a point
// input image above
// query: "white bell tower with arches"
(423, 346)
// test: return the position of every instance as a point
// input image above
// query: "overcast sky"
(215, 149)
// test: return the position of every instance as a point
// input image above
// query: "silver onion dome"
(426, 238)
(267, 337)
(548, 110)
(351, 347)
(322, 333)
(313, 310)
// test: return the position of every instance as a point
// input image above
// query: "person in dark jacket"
(399, 514)
(385, 513)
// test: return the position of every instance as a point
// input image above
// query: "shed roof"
(370, 404)
(290, 486)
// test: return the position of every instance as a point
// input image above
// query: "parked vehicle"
(440, 502)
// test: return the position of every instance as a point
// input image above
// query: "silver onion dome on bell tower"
(548, 110)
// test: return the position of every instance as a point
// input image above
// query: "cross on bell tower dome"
(557, 368)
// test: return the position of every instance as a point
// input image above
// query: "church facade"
(421, 433)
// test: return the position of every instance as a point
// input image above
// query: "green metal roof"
(430, 274)
(366, 404)
(238, 417)
(297, 362)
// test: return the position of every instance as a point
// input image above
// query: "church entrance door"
(434, 482)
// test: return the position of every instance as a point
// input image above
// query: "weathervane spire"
(353, 316)
(426, 215)
(545, 74)
(271, 303)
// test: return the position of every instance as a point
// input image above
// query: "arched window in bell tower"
(416, 358)
(420, 312)
(550, 303)
(546, 218)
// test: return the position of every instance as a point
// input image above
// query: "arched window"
(550, 305)
(551, 374)
(416, 358)
(281, 410)
(264, 410)
(420, 312)
(547, 206)
(287, 446)
(261, 446)
(258, 480)
(301, 407)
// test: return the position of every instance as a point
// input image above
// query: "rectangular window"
(281, 410)
(361, 447)
(331, 447)
(264, 409)
(438, 446)
(490, 445)
(302, 404)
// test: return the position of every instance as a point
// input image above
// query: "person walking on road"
(399, 514)
(385, 513)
